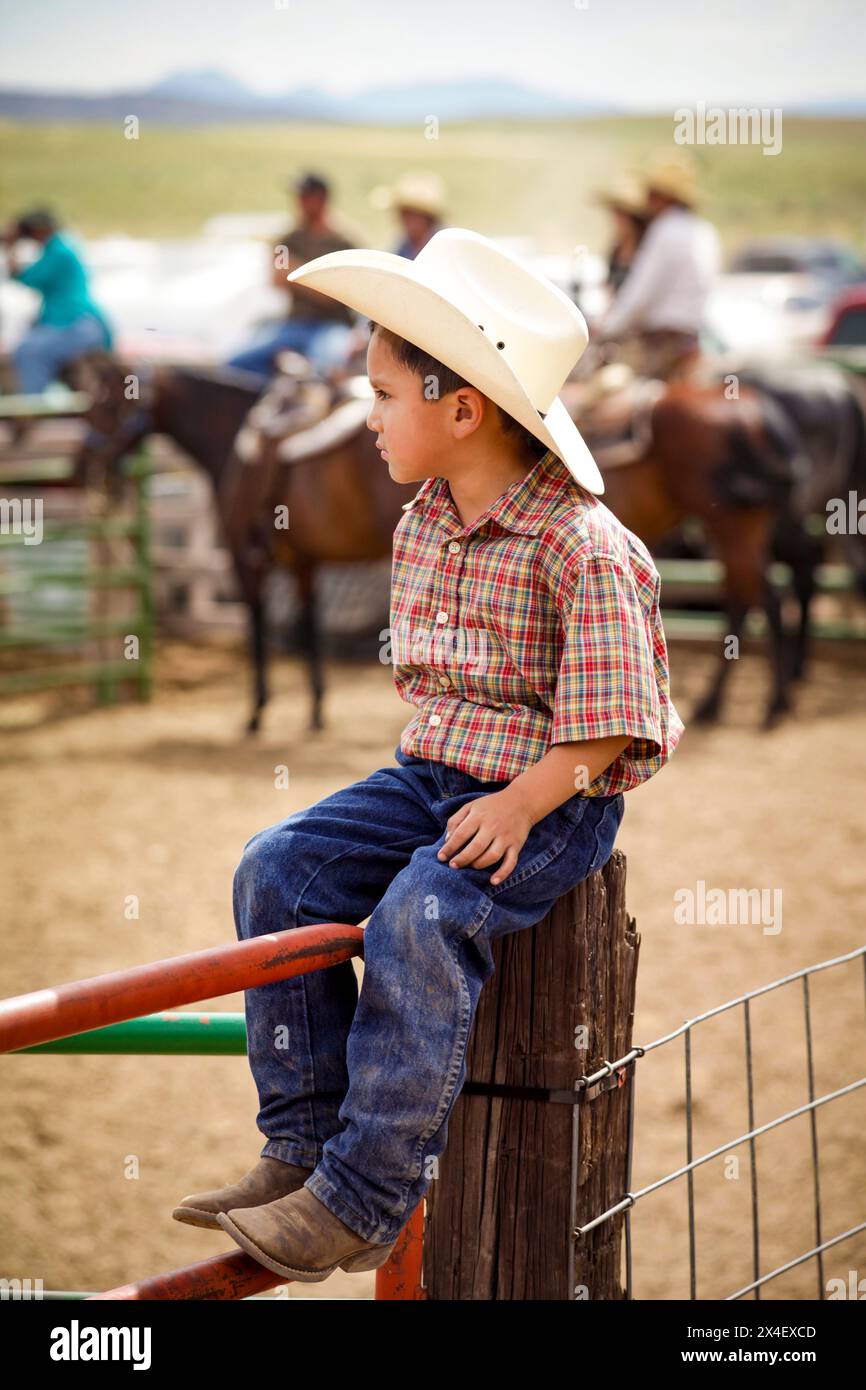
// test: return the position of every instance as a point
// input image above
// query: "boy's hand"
(486, 829)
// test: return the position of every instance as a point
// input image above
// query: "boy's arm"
(565, 769)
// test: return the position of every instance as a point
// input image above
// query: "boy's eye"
(380, 394)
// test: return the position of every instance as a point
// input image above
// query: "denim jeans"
(360, 1087)
(46, 347)
(324, 344)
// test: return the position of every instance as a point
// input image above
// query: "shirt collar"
(523, 508)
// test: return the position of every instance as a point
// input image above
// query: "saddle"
(613, 411)
(301, 414)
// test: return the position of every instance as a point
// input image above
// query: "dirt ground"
(159, 799)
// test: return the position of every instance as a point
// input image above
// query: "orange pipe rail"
(47, 1014)
(238, 1275)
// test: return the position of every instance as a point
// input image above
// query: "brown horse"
(341, 503)
(730, 464)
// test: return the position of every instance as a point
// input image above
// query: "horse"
(342, 502)
(731, 464)
(826, 413)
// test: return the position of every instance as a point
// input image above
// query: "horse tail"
(761, 461)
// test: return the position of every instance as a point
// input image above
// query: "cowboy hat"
(626, 195)
(675, 177)
(483, 313)
(419, 192)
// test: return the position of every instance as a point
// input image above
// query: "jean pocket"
(574, 809)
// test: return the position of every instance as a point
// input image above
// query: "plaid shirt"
(537, 624)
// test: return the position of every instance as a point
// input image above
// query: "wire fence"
(687, 1170)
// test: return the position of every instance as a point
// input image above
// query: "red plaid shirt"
(537, 624)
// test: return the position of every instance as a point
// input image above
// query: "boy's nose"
(372, 422)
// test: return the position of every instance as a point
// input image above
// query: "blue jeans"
(46, 347)
(324, 344)
(361, 1088)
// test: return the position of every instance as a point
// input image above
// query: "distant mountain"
(209, 96)
(203, 85)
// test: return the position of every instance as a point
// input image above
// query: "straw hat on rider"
(418, 192)
(626, 194)
(675, 176)
(479, 310)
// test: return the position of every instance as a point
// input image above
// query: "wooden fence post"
(518, 1174)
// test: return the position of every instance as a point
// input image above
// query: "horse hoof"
(775, 714)
(706, 714)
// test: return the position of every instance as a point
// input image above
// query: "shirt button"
(444, 682)
(435, 719)
(442, 617)
(454, 547)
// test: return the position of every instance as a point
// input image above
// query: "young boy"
(525, 629)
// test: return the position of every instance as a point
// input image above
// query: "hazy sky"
(638, 53)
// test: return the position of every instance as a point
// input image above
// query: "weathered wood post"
(521, 1171)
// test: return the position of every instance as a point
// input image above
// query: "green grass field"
(503, 178)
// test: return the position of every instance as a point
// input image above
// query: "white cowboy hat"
(475, 308)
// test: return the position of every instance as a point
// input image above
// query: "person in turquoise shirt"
(69, 322)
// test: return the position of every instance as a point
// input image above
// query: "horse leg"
(310, 636)
(743, 541)
(779, 701)
(707, 712)
(259, 657)
(251, 579)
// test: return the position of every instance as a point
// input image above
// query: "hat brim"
(389, 289)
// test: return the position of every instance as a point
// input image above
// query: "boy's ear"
(470, 405)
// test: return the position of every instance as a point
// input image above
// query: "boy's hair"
(423, 365)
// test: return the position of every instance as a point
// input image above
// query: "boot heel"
(367, 1259)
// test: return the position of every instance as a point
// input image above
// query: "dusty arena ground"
(158, 800)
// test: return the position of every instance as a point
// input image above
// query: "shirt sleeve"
(643, 283)
(40, 273)
(607, 679)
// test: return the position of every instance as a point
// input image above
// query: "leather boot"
(270, 1178)
(299, 1237)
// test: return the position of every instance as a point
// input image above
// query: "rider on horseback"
(658, 312)
(318, 327)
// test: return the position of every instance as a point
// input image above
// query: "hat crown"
(541, 332)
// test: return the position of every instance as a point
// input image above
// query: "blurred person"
(317, 326)
(419, 202)
(659, 310)
(69, 323)
(626, 202)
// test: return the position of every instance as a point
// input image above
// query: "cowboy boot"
(299, 1237)
(270, 1178)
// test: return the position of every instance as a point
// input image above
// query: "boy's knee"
(261, 860)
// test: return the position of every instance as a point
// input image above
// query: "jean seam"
(343, 854)
(458, 1050)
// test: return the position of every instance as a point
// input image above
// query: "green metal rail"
(26, 588)
(692, 577)
(182, 1033)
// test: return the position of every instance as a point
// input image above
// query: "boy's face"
(412, 432)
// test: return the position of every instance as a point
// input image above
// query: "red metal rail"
(237, 1275)
(47, 1014)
